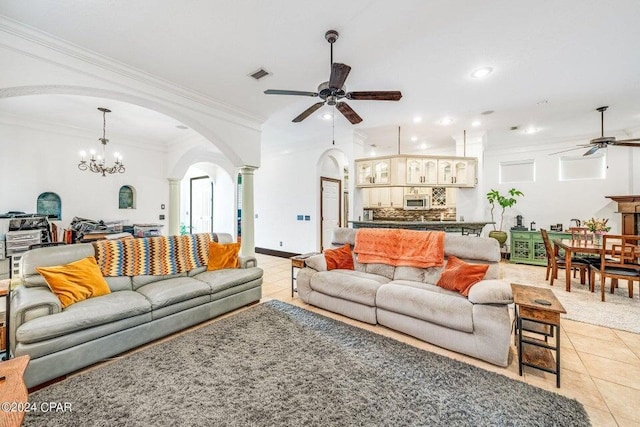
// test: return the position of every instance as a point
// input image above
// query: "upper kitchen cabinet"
(421, 171)
(373, 172)
(457, 172)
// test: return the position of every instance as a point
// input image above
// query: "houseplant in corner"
(504, 201)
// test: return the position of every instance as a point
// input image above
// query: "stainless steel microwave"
(416, 202)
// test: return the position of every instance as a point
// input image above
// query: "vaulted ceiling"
(553, 62)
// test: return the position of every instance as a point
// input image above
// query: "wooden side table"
(298, 262)
(537, 307)
(4, 328)
(13, 391)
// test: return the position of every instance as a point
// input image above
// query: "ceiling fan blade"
(627, 142)
(380, 95)
(289, 92)
(339, 73)
(306, 113)
(592, 150)
(348, 112)
(570, 149)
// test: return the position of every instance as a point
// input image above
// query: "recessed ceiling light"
(542, 102)
(446, 121)
(372, 152)
(414, 138)
(183, 127)
(326, 116)
(286, 151)
(531, 130)
(417, 119)
(476, 123)
(423, 146)
(481, 73)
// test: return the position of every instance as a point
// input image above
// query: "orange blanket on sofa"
(397, 247)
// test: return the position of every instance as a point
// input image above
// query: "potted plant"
(598, 227)
(504, 201)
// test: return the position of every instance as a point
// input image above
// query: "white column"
(247, 247)
(174, 206)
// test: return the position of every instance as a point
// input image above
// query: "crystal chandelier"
(98, 163)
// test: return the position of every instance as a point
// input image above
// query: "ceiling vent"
(515, 127)
(259, 73)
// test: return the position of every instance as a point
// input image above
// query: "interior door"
(330, 209)
(201, 212)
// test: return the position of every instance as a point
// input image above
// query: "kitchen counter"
(448, 226)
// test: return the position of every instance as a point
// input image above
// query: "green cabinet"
(527, 247)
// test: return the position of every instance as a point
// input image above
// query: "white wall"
(288, 184)
(551, 201)
(33, 161)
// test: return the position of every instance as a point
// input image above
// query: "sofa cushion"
(384, 270)
(349, 285)
(460, 276)
(223, 256)
(84, 315)
(427, 302)
(340, 258)
(137, 281)
(171, 291)
(220, 280)
(76, 281)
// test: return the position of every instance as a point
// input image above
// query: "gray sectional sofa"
(407, 299)
(138, 310)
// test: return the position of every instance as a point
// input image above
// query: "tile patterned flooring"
(600, 366)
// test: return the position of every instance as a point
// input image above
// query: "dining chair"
(619, 260)
(554, 261)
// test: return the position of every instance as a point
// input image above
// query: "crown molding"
(55, 128)
(211, 106)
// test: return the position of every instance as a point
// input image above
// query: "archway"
(333, 194)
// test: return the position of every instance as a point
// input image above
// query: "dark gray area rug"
(275, 364)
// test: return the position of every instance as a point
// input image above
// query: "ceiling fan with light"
(332, 91)
(604, 141)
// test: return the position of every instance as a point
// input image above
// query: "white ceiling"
(575, 54)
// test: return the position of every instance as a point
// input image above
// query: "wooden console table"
(537, 307)
(13, 391)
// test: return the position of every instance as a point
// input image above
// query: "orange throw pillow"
(460, 276)
(76, 281)
(339, 258)
(223, 256)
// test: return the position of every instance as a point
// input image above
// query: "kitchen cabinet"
(383, 197)
(527, 247)
(373, 172)
(416, 171)
(457, 172)
(421, 171)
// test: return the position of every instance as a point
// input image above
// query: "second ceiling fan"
(332, 91)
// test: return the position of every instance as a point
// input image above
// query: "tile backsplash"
(395, 214)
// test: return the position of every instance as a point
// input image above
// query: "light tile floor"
(600, 366)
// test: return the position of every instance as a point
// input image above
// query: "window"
(517, 171)
(582, 167)
(49, 204)
(127, 197)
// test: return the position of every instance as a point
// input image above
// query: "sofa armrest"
(317, 262)
(28, 303)
(247, 261)
(491, 292)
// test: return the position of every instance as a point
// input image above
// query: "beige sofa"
(406, 299)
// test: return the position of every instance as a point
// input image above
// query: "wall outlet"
(280, 243)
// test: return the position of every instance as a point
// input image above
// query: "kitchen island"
(448, 226)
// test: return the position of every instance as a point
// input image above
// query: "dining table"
(573, 246)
